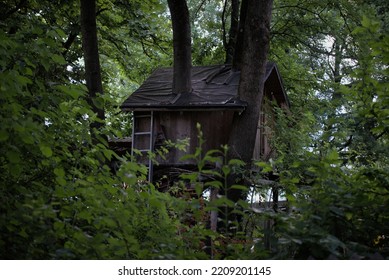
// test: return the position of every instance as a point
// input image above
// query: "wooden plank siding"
(215, 125)
(176, 125)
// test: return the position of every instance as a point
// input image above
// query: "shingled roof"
(213, 87)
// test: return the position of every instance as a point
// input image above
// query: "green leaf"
(64, 107)
(28, 71)
(333, 155)
(214, 184)
(99, 102)
(237, 162)
(266, 167)
(189, 176)
(60, 33)
(226, 170)
(61, 181)
(239, 187)
(108, 153)
(212, 172)
(23, 80)
(223, 201)
(370, 24)
(365, 21)
(187, 157)
(46, 151)
(59, 172)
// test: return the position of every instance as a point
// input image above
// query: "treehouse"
(160, 116)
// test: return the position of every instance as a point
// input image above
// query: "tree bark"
(182, 46)
(92, 62)
(251, 89)
(238, 49)
(233, 32)
(252, 79)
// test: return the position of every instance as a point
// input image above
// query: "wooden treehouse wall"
(215, 125)
(265, 131)
(175, 125)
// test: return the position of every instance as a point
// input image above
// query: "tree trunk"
(233, 32)
(252, 79)
(251, 89)
(92, 62)
(238, 50)
(182, 46)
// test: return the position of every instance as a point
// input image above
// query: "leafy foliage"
(59, 198)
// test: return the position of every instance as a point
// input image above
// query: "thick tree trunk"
(251, 89)
(91, 60)
(233, 33)
(252, 79)
(239, 49)
(182, 46)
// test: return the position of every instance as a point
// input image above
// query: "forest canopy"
(60, 199)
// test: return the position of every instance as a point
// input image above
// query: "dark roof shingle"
(212, 87)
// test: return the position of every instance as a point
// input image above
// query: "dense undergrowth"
(59, 198)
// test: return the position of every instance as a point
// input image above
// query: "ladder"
(143, 139)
